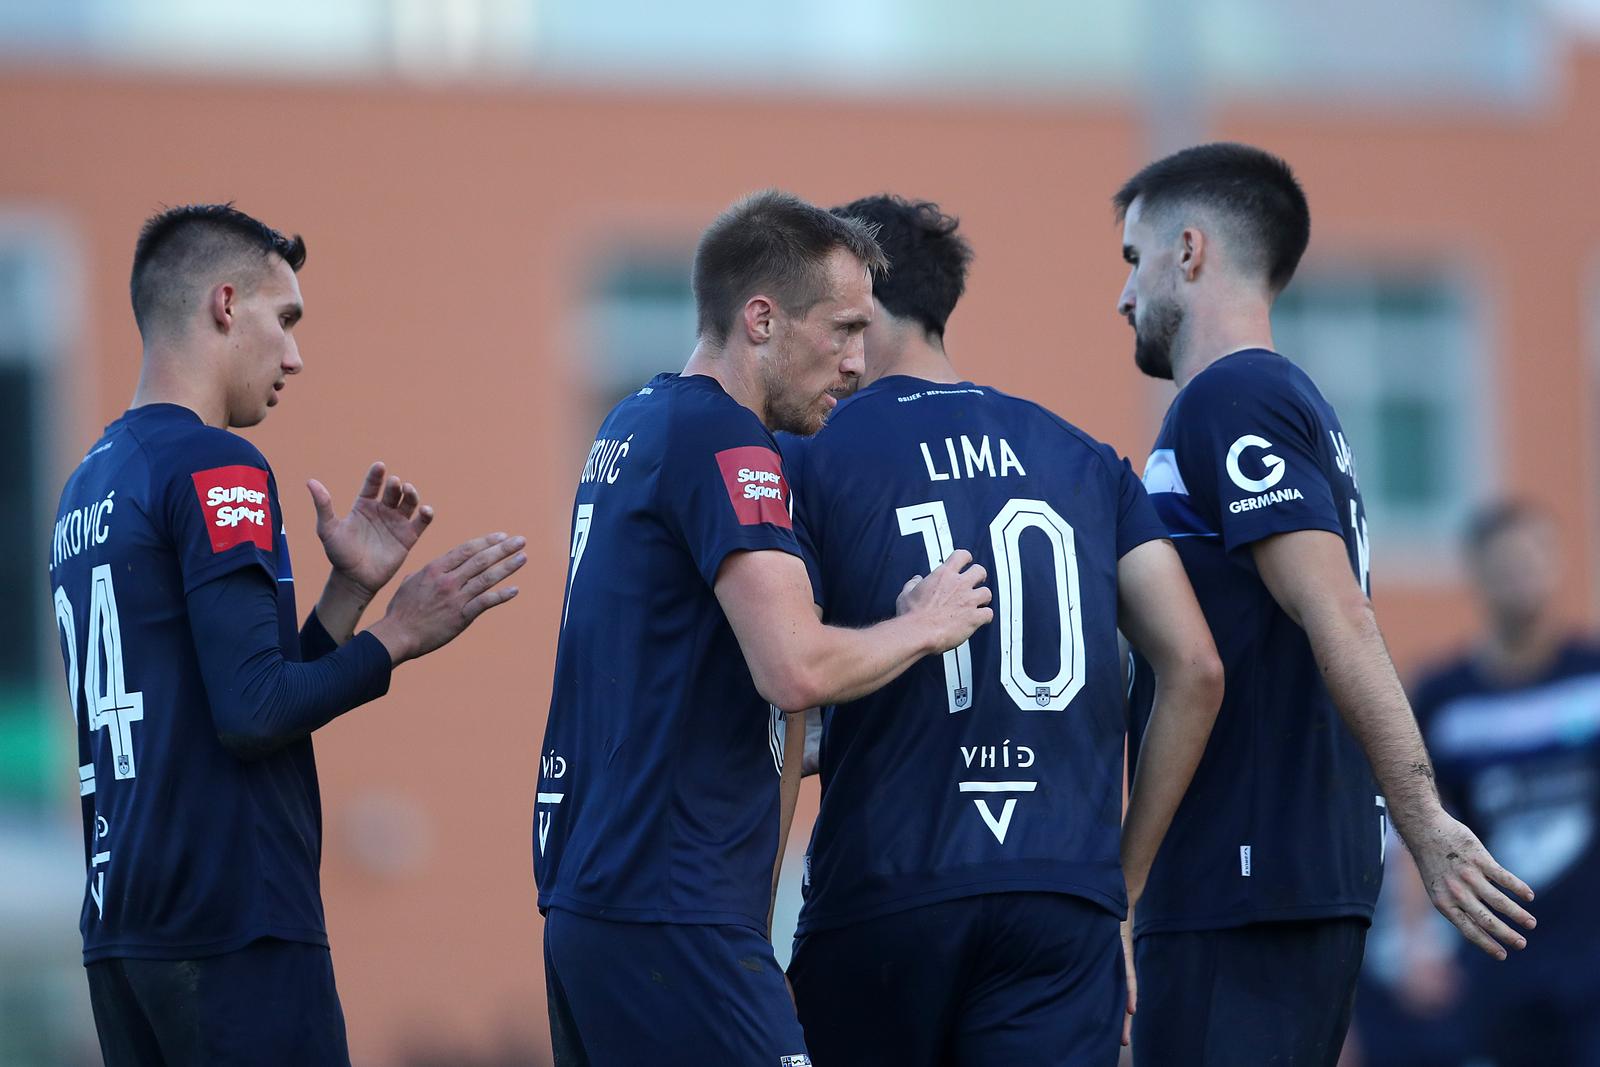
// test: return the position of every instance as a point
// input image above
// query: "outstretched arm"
(798, 662)
(1308, 573)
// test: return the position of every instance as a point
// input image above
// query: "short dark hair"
(1494, 519)
(179, 247)
(1254, 190)
(771, 241)
(930, 259)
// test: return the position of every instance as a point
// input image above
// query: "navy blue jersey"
(1283, 819)
(997, 766)
(1520, 764)
(658, 785)
(190, 850)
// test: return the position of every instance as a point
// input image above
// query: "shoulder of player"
(699, 419)
(179, 454)
(1256, 375)
(1032, 409)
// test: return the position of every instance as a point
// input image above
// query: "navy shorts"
(270, 1003)
(628, 994)
(1268, 993)
(1021, 979)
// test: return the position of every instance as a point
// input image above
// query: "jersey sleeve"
(1247, 449)
(1137, 521)
(807, 523)
(723, 490)
(221, 509)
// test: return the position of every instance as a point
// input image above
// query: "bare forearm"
(340, 607)
(1184, 711)
(794, 745)
(1361, 678)
(834, 665)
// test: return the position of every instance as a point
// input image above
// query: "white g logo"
(1275, 465)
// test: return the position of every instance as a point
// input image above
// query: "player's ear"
(1192, 248)
(758, 315)
(221, 306)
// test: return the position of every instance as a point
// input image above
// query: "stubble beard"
(1153, 343)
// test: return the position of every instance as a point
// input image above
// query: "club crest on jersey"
(236, 506)
(756, 487)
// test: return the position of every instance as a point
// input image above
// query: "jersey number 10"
(1005, 533)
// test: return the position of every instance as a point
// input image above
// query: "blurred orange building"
(489, 265)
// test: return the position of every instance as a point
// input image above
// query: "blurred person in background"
(1264, 887)
(688, 624)
(1514, 728)
(194, 695)
(966, 877)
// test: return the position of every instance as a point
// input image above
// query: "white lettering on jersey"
(81, 529)
(974, 459)
(605, 460)
(759, 484)
(233, 494)
(1265, 500)
(1274, 464)
(553, 767)
(231, 516)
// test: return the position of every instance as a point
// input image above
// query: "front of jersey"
(658, 785)
(1520, 764)
(997, 766)
(190, 850)
(1283, 820)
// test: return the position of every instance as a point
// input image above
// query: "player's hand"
(1133, 978)
(952, 601)
(434, 605)
(1464, 882)
(367, 546)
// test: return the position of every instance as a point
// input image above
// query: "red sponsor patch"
(754, 477)
(236, 506)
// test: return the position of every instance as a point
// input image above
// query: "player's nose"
(854, 364)
(1125, 301)
(292, 363)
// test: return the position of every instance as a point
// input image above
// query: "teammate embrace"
(973, 854)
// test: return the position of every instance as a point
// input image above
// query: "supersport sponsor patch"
(756, 486)
(236, 507)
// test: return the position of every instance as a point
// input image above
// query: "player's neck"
(1210, 332)
(163, 380)
(1515, 653)
(738, 377)
(914, 357)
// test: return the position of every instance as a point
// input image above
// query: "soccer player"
(963, 889)
(1514, 725)
(1263, 890)
(688, 613)
(194, 697)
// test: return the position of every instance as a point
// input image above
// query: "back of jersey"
(998, 766)
(189, 850)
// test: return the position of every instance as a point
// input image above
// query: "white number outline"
(580, 541)
(107, 703)
(933, 523)
(931, 520)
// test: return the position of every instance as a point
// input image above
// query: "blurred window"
(638, 322)
(1398, 357)
(29, 692)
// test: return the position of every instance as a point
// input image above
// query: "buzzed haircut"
(1491, 521)
(182, 249)
(1254, 192)
(930, 259)
(775, 243)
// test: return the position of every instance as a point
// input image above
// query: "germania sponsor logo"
(756, 488)
(235, 505)
(1274, 465)
(1265, 500)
